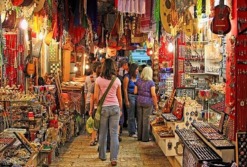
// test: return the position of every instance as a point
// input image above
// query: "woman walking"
(146, 99)
(110, 112)
(130, 98)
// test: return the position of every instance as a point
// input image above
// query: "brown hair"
(132, 70)
(98, 70)
(108, 69)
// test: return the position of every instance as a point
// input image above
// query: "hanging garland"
(157, 14)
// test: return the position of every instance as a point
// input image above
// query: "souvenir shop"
(197, 50)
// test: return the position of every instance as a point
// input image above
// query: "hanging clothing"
(146, 19)
(133, 7)
(92, 12)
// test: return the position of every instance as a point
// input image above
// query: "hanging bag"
(100, 103)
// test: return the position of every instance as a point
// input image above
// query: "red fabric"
(178, 109)
(146, 19)
(76, 32)
(10, 53)
(116, 3)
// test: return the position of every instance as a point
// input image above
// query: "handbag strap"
(106, 92)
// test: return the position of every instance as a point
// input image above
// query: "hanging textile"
(85, 6)
(92, 12)
(133, 7)
(146, 19)
(10, 52)
(1, 44)
(116, 4)
(157, 14)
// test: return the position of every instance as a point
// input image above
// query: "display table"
(216, 141)
(167, 145)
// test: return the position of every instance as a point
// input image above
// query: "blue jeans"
(109, 120)
(132, 114)
(143, 126)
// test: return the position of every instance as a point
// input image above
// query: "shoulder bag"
(100, 103)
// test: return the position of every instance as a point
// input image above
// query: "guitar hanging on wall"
(221, 22)
(30, 69)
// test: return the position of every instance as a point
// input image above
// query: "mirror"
(216, 119)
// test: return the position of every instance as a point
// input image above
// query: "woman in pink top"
(110, 113)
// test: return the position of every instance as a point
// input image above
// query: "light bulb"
(85, 55)
(101, 51)
(149, 51)
(86, 66)
(75, 69)
(170, 47)
(23, 24)
(200, 25)
(41, 36)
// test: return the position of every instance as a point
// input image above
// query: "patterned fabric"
(144, 92)
(53, 53)
(188, 160)
(54, 67)
(146, 19)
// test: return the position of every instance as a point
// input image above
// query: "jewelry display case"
(216, 141)
(195, 150)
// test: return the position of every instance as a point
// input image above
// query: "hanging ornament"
(149, 51)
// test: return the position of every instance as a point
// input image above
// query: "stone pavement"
(132, 153)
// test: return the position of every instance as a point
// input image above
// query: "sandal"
(113, 163)
(93, 143)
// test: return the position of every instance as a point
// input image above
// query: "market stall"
(196, 49)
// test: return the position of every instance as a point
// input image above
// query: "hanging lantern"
(149, 51)
(170, 47)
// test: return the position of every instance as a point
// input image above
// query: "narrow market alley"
(132, 153)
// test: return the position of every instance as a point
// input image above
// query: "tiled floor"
(132, 153)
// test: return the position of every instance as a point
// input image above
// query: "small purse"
(99, 107)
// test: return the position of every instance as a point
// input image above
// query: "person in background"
(141, 67)
(146, 99)
(130, 98)
(124, 67)
(93, 108)
(110, 112)
(89, 80)
(122, 71)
